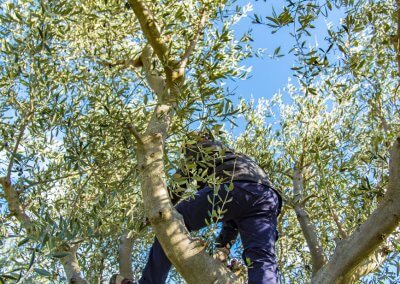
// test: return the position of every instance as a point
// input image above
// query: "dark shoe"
(119, 279)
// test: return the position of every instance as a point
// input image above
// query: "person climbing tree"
(245, 195)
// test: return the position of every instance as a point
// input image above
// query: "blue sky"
(270, 75)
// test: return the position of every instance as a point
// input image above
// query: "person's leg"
(157, 266)
(194, 212)
(258, 232)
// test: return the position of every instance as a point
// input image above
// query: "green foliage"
(68, 89)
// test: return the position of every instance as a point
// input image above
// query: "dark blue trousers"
(252, 212)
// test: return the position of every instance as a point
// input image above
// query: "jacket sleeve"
(227, 236)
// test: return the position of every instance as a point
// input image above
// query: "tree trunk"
(185, 253)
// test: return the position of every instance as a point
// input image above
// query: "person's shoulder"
(211, 142)
(246, 157)
(217, 145)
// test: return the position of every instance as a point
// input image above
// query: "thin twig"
(192, 44)
(47, 181)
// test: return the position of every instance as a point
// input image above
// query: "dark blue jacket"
(225, 165)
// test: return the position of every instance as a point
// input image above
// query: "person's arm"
(227, 236)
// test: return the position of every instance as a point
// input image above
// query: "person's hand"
(234, 265)
(222, 254)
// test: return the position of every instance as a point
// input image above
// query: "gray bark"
(307, 227)
(71, 266)
(125, 256)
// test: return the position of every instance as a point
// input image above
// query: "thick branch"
(298, 184)
(372, 263)
(71, 266)
(150, 29)
(125, 256)
(14, 204)
(308, 228)
(310, 234)
(370, 235)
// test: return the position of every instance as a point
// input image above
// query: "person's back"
(222, 163)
